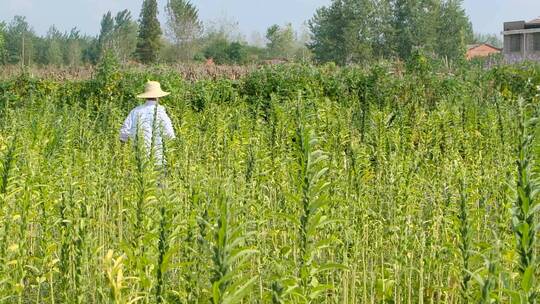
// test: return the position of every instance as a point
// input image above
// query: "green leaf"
(318, 175)
(317, 291)
(239, 292)
(527, 280)
(215, 292)
(476, 277)
(323, 244)
(238, 253)
(524, 200)
(331, 267)
(317, 204)
(290, 218)
(534, 209)
(515, 296)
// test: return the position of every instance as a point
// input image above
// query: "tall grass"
(292, 185)
(524, 209)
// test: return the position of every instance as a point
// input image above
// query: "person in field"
(149, 121)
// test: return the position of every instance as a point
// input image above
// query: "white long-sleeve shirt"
(142, 118)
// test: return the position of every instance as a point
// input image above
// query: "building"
(522, 40)
(481, 50)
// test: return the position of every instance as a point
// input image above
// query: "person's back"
(149, 122)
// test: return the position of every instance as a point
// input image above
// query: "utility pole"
(22, 61)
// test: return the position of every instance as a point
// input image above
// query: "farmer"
(140, 122)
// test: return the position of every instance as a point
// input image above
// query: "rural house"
(481, 50)
(522, 40)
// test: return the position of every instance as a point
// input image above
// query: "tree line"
(344, 32)
(354, 31)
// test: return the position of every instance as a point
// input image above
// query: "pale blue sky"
(252, 15)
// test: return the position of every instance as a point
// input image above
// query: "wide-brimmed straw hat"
(152, 89)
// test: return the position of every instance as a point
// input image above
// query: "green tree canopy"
(224, 52)
(19, 41)
(105, 38)
(118, 35)
(2, 43)
(346, 31)
(73, 54)
(55, 42)
(328, 33)
(359, 32)
(148, 43)
(414, 26)
(125, 35)
(356, 31)
(280, 41)
(183, 27)
(454, 30)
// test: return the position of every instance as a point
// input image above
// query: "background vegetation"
(394, 172)
(344, 32)
(294, 184)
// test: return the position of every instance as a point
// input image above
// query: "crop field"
(293, 184)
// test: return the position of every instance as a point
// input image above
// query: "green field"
(294, 184)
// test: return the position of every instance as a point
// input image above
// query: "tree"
(54, 54)
(105, 38)
(303, 37)
(223, 43)
(19, 41)
(403, 27)
(358, 30)
(90, 53)
(414, 25)
(2, 43)
(454, 30)
(217, 49)
(118, 35)
(125, 35)
(149, 44)
(183, 27)
(427, 19)
(73, 54)
(280, 41)
(343, 32)
(237, 52)
(225, 52)
(382, 29)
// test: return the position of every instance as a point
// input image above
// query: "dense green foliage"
(294, 184)
(344, 32)
(118, 35)
(280, 41)
(2, 43)
(221, 51)
(56, 48)
(149, 39)
(184, 28)
(359, 31)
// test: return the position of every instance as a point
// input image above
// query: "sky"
(252, 16)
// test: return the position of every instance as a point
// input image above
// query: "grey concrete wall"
(527, 50)
(514, 25)
(516, 57)
(529, 46)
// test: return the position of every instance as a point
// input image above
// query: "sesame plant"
(285, 184)
(524, 210)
